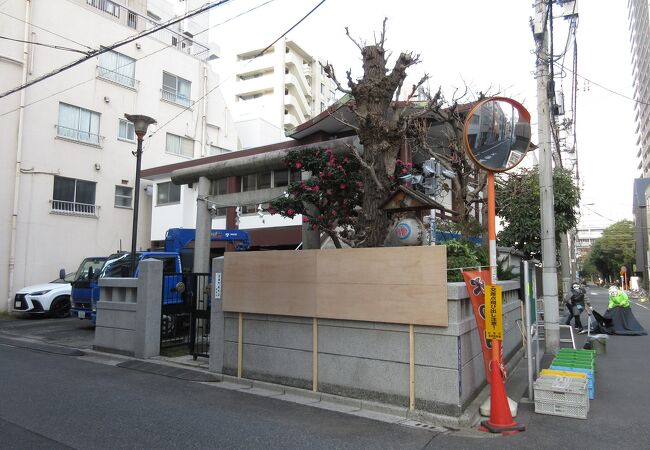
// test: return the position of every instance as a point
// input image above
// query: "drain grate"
(426, 426)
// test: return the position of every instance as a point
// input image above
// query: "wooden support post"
(314, 356)
(411, 368)
(240, 345)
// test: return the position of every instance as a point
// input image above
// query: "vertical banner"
(475, 282)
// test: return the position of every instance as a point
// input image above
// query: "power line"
(227, 78)
(56, 47)
(138, 59)
(46, 30)
(612, 91)
(102, 50)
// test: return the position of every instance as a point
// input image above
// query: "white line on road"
(638, 304)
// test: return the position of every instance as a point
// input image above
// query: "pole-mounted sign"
(497, 137)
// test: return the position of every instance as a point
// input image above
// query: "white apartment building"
(67, 167)
(639, 17)
(276, 91)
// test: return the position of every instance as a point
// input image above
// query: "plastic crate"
(568, 390)
(561, 409)
(591, 382)
(562, 373)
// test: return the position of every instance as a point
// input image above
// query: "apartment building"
(639, 18)
(67, 167)
(275, 90)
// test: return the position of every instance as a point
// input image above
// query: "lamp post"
(140, 123)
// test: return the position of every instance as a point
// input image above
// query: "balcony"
(73, 208)
(117, 78)
(174, 97)
(121, 14)
(80, 136)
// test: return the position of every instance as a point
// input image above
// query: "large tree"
(614, 249)
(381, 124)
(518, 206)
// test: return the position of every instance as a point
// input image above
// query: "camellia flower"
(291, 212)
(343, 186)
(298, 164)
(305, 219)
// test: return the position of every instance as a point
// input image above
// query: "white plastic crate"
(561, 409)
(562, 396)
(554, 391)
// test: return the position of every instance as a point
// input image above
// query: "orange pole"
(501, 420)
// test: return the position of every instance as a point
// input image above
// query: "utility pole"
(549, 260)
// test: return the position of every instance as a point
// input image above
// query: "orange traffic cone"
(500, 420)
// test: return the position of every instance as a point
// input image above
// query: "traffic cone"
(500, 420)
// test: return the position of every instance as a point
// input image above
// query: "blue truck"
(177, 258)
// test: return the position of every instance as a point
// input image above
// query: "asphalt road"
(51, 400)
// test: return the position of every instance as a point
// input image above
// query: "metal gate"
(185, 312)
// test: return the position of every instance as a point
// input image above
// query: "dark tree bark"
(381, 127)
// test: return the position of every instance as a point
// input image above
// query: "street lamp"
(140, 123)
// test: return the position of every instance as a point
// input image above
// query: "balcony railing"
(78, 135)
(175, 97)
(116, 77)
(107, 6)
(73, 208)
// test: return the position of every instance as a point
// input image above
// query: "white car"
(51, 298)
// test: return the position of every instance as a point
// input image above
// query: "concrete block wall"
(370, 360)
(128, 313)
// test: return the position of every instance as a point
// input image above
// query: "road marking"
(644, 307)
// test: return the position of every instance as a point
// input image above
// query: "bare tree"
(381, 124)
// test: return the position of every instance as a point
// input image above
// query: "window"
(107, 6)
(219, 187)
(216, 150)
(322, 106)
(126, 131)
(168, 193)
(176, 89)
(78, 124)
(280, 178)
(322, 89)
(116, 67)
(73, 196)
(123, 195)
(178, 145)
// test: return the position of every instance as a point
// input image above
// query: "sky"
(486, 45)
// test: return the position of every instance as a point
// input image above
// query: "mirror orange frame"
(519, 131)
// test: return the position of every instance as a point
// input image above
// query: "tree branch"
(347, 32)
(329, 71)
(365, 165)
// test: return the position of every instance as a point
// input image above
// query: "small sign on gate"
(217, 285)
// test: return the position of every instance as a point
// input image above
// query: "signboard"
(493, 319)
(217, 286)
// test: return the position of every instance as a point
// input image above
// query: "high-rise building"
(640, 41)
(275, 91)
(67, 170)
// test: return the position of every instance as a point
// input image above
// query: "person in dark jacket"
(575, 303)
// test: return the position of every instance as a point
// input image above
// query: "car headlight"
(40, 292)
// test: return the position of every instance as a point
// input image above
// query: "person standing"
(575, 303)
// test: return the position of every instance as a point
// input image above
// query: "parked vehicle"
(53, 298)
(84, 287)
(177, 258)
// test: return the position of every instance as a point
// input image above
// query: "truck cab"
(118, 265)
(84, 286)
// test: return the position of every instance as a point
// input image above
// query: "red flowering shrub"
(335, 189)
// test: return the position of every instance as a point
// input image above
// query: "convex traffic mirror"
(497, 133)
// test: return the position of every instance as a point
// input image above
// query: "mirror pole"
(491, 219)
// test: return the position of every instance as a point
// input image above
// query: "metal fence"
(185, 312)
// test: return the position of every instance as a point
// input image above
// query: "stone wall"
(367, 360)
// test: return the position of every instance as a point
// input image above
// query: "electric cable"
(249, 61)
(118, 44)
(56, 47)
(136, 59)
(46, 30)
